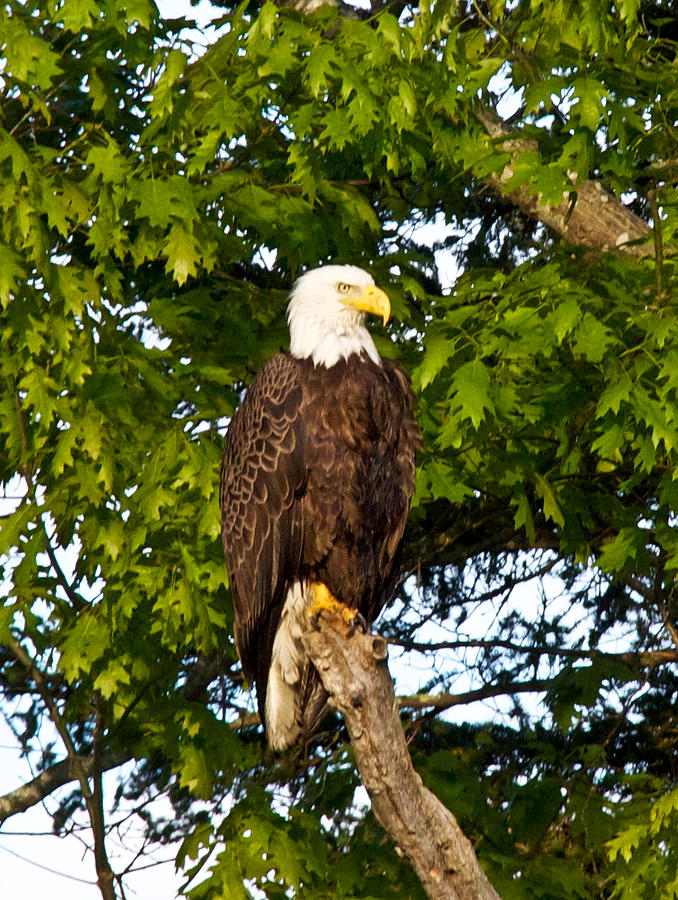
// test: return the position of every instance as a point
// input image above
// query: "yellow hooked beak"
(372, 300)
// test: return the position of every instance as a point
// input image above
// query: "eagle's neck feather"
(326, 342)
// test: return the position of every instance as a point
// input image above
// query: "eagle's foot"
(358, 621)
(341, 617)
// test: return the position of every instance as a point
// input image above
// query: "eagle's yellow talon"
(324, 601)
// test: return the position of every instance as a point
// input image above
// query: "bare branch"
(647, 659)
(71, 593)
(26, 468)
(446, 701)
(668, 624)
(355, 674)
(658, 246)
(53, 778)
(95, 808)
(665, 170)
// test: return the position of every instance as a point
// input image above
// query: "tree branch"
(75, 598)
(53, 778)
(355, 674)
(447, 701)
(645, 658)
(95, 807)
(596, 219)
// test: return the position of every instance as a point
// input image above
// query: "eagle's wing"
(400, 432)
(408, 438)
(263, 477)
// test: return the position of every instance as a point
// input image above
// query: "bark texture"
(588, 217)
(354, 672)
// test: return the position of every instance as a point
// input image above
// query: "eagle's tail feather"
(283, 713)
(296, 700)
(288, 661)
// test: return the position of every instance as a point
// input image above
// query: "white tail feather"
(283, 713)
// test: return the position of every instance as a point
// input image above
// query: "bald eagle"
(316, 480)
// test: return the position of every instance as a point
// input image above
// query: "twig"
(646, 658)
(45, 868)
(658, 246)
(75, 598)
(105, 875)
(26, 469)
(668, 624)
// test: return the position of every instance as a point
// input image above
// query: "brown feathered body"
(317, 477)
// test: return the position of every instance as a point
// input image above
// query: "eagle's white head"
(327, 311)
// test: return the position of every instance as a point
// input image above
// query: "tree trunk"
(355, 674)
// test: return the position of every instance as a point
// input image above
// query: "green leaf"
(523, 516)
(614, 395)
(182, 254)
(166, 200)
(319, 67)
(620, 551)
(626, 842)
(470, 392)
(592, 339)
(552, 508)
(11, 272)
(78, 15)
(567, 315)
(41, 393)
(610, 443)
(437, 353)
(444, 482)
(14, 527)
(388, 27)
(195, 773)
(110, 680)
(588, 106)
(28, 58)
(108, 162)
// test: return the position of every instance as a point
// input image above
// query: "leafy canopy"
(158, 197)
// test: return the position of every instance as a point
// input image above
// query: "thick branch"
(355, 674)
(596, 219)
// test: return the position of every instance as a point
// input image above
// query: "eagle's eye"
(343, 288)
